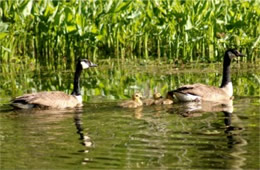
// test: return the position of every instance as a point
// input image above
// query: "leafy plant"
(52, 32)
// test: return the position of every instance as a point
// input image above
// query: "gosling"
(159, 100)
(165, 101)
(156, 97)
(134, 103)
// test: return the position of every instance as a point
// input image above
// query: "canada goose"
(156, 96)
(198, 92)
(55, 99)
(134, 103)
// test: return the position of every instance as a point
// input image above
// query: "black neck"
(226, 71)
(227, 119)
(76, 88)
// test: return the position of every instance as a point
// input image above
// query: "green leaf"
(122, 6)
(69, 14)
(108, 6)
(256, 43)
(26, 7)
(3, 35)
(188, 25)
(6, 49)
(71, 28)
(3, 27)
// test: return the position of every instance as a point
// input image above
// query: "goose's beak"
(92, 64)
(239, 54)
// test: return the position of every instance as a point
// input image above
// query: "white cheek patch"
(84, 65)
(231, 55)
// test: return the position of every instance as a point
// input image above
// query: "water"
(103, 135)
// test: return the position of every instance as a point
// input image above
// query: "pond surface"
(103, 135)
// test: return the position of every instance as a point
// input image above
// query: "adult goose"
(198, 92)
(55, 99)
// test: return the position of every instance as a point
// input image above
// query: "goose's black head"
(85, 63)
(233, 53)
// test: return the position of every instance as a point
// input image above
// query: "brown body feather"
(148, 102)
(205, 92)
(163, 102)
(131, 104)
(54, 99)
(158, 100)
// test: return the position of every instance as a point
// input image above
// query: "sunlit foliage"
(51, 31)
(113, 82)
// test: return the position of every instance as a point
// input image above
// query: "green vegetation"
(48, 34)
(51, 32)
(110, 82)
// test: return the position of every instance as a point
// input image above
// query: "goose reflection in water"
(85, 140)
(138, 113)
(55, 117)
(233, 126)
(236, 142)
(194, 109)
